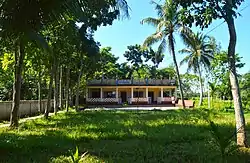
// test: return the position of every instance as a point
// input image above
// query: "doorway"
(151, 95)
(124, 97)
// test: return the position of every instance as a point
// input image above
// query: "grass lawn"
(120, 136)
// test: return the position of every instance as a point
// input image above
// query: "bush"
(224, 142)
(61, 159)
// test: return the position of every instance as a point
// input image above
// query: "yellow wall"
(127, 89)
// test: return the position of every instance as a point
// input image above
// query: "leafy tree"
(142, 73)
(167, 72)
(199, 52)
(21, 22)
(139, 57)
(6, 76)
(190, 83)
(220, 74)
(125, 71)
(202, 13)
(166, 25)
(107, 65)
(245, 93)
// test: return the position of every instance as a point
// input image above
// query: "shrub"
(224, 142)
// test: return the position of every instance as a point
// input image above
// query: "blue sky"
(130, 32)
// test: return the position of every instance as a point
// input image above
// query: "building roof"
(132, 82)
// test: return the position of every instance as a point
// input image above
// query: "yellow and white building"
(143, 91)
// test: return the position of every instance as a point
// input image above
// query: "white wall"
(29, 107)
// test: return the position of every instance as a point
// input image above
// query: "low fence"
(27, 108)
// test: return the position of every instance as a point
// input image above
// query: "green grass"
(119, 136)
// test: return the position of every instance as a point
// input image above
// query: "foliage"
(245, 92)
(75, 157)
(166, 24)
(119, 136)
(107, 65)
(190, 85)
(6, 76)
(138, 56)
(224, 142)
(202, 13)
(199, 50)
(220, 74)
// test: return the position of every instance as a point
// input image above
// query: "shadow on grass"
(117, 136)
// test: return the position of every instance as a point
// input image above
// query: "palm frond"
(188, 37)
(151, 21)
(158, 8)
(123, 8)
(162, 47)
(154, 38)
(40, 40)
(185, 60)
(162, 24)
(185, 51)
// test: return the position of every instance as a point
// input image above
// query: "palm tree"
(200, 53)
(166, 25)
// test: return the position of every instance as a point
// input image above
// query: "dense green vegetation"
(120, 136)
(50, 53)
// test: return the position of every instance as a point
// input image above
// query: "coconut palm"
(199, 50)
(166, 25)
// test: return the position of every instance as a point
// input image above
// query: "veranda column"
(101, 95)
(170, 93)
(161, 95)
(116, 95)
(147, 94)
(87, 94)
(132, 95)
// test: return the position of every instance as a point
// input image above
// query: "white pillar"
(147, 94)
(116, 94)
(132, 95)
(101, 95)
(170, 93)
(161, 95)
(87, 94)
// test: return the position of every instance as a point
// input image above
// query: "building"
(143, 91)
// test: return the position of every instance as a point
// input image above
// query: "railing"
(136, 82)
(102, 100)
(165, 99)
(140, 99)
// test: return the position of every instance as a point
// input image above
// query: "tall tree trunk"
(60, 89)
(78, 86)
(56, 88)
(19, 57)
(67, 89)
(77, 95)
(201, 86)
(239, 114)
(70, 97)
(39, 90)
(171, 41)
(209, 97)
(47, 109)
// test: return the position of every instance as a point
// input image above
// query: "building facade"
(143, 91)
